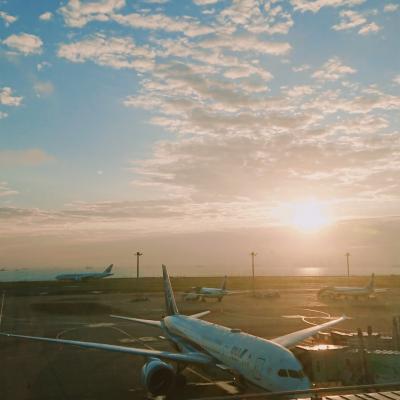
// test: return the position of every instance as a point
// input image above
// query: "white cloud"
(77, 14)
(187, 26)
(43, 88)
(245, 43)
(7, 18)
(47, 16)
(5, 190)
(391, 7)
(205, 2)
(255, 17)
(3, 115)
(396, 79)
(370, 28)
(42, 65)
(301, 68)
(24, 157)
(8, 99)
(350, 19)
(115, 52)
(24, 43)
(315, 5)
(333, 70)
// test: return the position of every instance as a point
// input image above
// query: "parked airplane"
(266, 363)
(203, 293)
(85, 276)
(354, 292)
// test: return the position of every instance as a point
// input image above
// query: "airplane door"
(258, 368)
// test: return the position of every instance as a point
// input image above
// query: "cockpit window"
(283, 373)
(296, 374)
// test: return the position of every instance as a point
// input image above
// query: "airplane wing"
(294, 338)
(190, 358)
(200, 314)
(140, 321)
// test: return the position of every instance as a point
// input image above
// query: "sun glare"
(309, 216)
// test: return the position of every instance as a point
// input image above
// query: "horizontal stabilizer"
(190, 358)
(140, 321)
(200, 314)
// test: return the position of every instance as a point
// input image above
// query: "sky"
(198, 131)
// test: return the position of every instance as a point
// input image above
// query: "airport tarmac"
(34, 370)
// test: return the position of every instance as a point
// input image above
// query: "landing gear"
(180, 381)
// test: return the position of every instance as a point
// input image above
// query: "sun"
(309, 216)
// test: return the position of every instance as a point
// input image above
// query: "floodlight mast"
(253, 254)
(137, 254)
(348, 264)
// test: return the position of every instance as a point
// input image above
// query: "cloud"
(42, 65)
(8, 99)
(47, 16)
(7, 18)
(26, 157)
(3, 115)
(333, 70)
(370, 28)
(115, 52)
(255, 17)
(24, 43)
(396, 79)
(391, 7)
(77, 14)
(205, 2)
(315, 5)
(5, 190)
(43, 88)
(246, 43)
(350, 19)
(188, 26)
(301, 68)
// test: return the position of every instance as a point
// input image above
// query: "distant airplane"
(85, 276)
(267, 364)
(203, 293)
(351, 291)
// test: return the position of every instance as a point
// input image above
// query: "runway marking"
(100, 325)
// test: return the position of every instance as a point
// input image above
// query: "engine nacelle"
(157, 377)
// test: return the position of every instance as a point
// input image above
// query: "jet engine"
(157, 377)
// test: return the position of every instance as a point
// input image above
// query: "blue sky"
(123, 120)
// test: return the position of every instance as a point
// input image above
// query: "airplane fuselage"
(260, 361)
(349, 291)
(82, 277)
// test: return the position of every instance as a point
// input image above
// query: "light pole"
(253, 254)
(137, 254)
(348, 264)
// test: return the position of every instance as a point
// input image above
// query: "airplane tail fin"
(223, 287)
(371, 284)
(170, 304)
(108, 269)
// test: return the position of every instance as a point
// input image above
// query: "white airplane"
(203, 293)
(85, 276)
(351, 291)
(267, 364)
